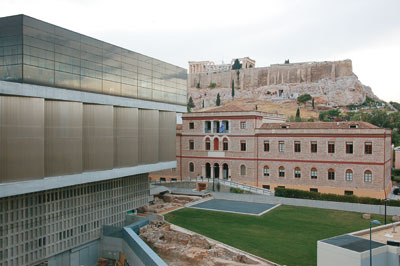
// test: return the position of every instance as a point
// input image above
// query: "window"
(242, 124)
(243, 145)
(266, 145)
(281, 146)
(349, 147)
(348, 192)
(207, 126)
(208, 144)
(191, 167)
(281, 171)
(173, 179)
(281, 186)
(162, 179)
(314, 146)
(368, 148)
(191, 125)
(349, 175)
(368, 176)
(242, 170)
(191, 144)
(266, 171)
(314, 173)
(266, 186)
(313, 189)
(297, 172)
(331, 147)
(224, 127)
(331, 174)
(225, 145)
(297, 147)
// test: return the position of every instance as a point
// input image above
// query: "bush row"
(302, 194)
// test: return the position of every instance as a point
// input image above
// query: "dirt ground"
(180, 247)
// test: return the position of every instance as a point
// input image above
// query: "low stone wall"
(343, 206)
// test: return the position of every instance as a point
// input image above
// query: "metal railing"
(227, 183)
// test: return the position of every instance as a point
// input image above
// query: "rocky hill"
(330, 83)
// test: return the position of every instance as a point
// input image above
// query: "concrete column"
(221, 172)
(212, 171)
(203, 171)
(229, 171)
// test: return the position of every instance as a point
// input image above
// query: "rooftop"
(318, 125)
(382, 233)
(353, 243)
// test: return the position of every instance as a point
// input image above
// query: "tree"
(298, 118)
(287, 61)
(202, 105)
(218, 102)
(313, 104)
(236, 65)
(198, 85)
(304, 98)
(191, 103)
(233, 89)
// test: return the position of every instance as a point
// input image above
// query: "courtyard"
(286, 235)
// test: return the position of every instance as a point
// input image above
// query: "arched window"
(314, 173)
(281, 171)
(297, 172)
(208, 145)
(191, 167)
(225, 144)
(368, 176)
(242, 169)
(331, 174)
(349, 175)
(266, 170)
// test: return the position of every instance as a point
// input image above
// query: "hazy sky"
(365, 31)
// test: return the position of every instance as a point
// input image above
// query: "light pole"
(370, 239)
(385, 209)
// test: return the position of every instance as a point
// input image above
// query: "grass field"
(286, 235)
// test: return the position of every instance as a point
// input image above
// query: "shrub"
(236, 190)
(218, 186)
(302, 194)
(396, 172)
(212, 85)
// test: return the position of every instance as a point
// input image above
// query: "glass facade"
(36, 52)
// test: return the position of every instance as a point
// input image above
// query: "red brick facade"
(248, 134)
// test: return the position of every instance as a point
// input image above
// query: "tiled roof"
(317, 125)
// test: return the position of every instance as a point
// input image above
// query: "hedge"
(302, 194)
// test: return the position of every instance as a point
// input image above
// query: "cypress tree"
(233, 89)
(218, 102)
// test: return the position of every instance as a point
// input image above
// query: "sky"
(269, 31)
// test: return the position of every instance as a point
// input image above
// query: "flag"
(222, 128)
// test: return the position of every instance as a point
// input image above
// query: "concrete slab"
(233, 206)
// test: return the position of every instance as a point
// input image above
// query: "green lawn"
(286, 235)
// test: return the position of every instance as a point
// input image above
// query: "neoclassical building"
(262, 150)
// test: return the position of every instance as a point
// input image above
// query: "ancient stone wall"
(273, 75)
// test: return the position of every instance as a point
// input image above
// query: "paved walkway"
(233, 206)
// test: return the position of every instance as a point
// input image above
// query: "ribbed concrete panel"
(148, 136)
(21, 138)
(126, 137)
(63, 138)
(167, 136)
(98, 137)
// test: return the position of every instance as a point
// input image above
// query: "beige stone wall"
(274, 74)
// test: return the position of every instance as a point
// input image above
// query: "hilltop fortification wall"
(295, 73)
